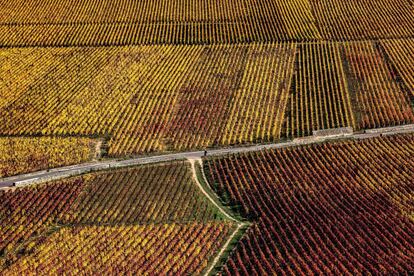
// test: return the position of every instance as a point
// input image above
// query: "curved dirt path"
(239, 223)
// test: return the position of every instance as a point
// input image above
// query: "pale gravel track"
(223, 249)
(63, 172)
(240, 224)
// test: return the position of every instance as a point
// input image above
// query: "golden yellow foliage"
(401, 53)
(121, 22)
(26, 154)
(142, 250)
(154, 98)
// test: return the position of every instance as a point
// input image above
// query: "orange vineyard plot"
(148, 219)
(380, 100)
(28, 212)
(367, 19)
(332, 208)
(150, 249)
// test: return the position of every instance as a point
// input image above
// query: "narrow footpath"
(216, 202)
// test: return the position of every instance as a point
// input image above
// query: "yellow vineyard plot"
(22, 155)
(401, 54)
(354, 19)
(258, 105)
(123, 22)
(319, 98)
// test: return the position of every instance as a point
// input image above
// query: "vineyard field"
(259, 104)
(332, 208)
(380, 99)
(121, 22)
(148, 194)
(356, 20)
(141, 209)
(20, 155)
(201, 137)
(204, 97)
(149, 99)
(30, 211)
(401, 53)
(144, 99)
(319, 98)
(146, 249)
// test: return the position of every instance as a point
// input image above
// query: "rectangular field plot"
(121, 22)
(332, 208)
(319, 98)
(379, 99)
(258, 107)
(366, 19)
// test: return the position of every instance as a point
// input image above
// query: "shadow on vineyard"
(235, 207)
(334, 207)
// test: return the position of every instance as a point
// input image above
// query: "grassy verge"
(214, 196)
(229, 249)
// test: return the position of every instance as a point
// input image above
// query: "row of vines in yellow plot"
(161, 98)
(122, 22)
(27, 154)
